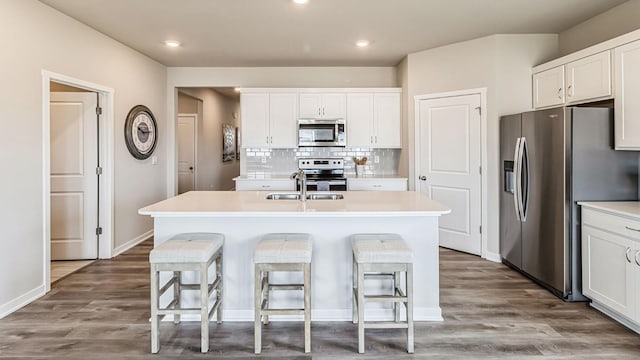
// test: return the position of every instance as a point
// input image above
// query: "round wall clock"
(140, 132)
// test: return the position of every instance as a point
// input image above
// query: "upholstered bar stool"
(186, 252)
(382, 256)
(281, 252)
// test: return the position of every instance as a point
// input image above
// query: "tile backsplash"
(265, 162)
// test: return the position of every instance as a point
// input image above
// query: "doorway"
(449, 161)
(187, 145)
(77, 173)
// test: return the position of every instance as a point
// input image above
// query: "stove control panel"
(321, 163)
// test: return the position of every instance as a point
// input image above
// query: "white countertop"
(625, 208)
(253, 203)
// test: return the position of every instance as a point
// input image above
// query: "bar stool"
(386, 255)
(281, 252)
(186, 252)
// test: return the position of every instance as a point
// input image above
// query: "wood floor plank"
(490, 312)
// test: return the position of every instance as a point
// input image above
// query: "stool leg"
(361, 306)
(354, 307)
(396, 305)
(204, 308)
(265, 295)
(257, 299)
(307, 307)
(176, 294)
(219, 291)
(155, 334)
(410, 333)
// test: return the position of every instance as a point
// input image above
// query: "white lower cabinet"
(611, 264)
(377, 184)
(265, 185)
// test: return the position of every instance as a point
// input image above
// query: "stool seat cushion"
(283, 249)
(187, 248)
(381, 248)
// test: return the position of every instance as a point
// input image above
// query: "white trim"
(106, 154)
(491, 256)
(483, 146)
(333, 315)
(195, 147)
(321, 90)
(133, 242)
(22, 300)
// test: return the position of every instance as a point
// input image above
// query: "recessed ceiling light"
(300, 1)
(172, 43)
(362, 43)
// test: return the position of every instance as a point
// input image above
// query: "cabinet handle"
(318, 111)
(636, 257)
(560, 93)
(626, 254)
(266, 186)
(267, 139)
(632, 229)
(322, 111)
(377, 186)
(569, 91)
(376, 139)
(372, 139)
(271, 139)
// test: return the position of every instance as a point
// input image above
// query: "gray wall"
(621, 19)
(502, 64)
(40, 38)
(214, 109)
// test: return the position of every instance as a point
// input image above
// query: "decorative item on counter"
(360, 163)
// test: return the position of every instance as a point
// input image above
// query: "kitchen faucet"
(301, 178)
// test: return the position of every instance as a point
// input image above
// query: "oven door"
(326, 185)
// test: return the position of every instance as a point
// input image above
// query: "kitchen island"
(243, 217)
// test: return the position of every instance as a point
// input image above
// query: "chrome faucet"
(301, 178)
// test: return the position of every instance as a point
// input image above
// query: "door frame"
(483, 149)
(195, 148)
(106, 181)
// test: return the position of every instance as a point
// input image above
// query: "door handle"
(517, 178)
(422, 178)
(191, 168)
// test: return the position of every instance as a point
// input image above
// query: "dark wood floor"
(490, 311)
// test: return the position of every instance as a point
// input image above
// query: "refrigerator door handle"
(524, 194)
(518, 179)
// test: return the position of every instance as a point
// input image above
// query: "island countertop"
(355, 203)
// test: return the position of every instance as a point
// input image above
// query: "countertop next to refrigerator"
(625, 208)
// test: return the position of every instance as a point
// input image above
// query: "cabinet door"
(589, 78)
(607, 270)
(255, 119)
(359, 120)
(386, 121)
(333, 106)
(283, 121)
(627, 104)
(310, 106)
(548, 87)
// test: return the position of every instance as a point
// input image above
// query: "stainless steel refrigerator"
(550, 160)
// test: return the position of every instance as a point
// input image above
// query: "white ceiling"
(320, 33)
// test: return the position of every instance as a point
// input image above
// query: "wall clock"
(140, 132)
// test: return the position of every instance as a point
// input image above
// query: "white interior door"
(449, 160)
(74, 182)
(186, 153)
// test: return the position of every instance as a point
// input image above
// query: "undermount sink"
(296, 196)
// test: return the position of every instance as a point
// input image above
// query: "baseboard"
(131, 243)
(495, 257)
(20, 301)
(419, 314)
(615, 316)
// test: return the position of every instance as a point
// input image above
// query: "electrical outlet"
(154, 160)
(264, 159)
(376, 159)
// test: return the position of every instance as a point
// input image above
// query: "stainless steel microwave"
(317, 132)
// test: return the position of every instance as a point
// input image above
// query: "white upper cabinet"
(373, 120)
(254, 109)
(548, 88)
(322, 106)
(359, 120)
(386, 121)
(589, 78)
(627, 104)
(269, 120)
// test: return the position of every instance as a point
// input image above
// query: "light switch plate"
(376, 159)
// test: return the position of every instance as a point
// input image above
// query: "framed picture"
(238, 146)
(228, 142)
